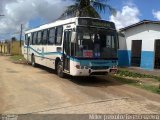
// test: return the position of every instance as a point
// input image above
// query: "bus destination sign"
(96, 23)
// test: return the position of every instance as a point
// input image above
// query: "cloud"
(3, 4)
(127, 16)
(22, 11)
(156, 14)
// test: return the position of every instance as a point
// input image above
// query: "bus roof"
(57, 23)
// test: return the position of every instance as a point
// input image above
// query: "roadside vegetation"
(18, 59)
(126, 73)
(147, 82)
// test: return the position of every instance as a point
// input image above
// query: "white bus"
(79, 46)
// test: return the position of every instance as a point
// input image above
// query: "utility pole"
(21, 35)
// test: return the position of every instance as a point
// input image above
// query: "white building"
(140, 45)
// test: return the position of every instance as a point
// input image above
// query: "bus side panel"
(51, 55)
(25, 51)
(38, 52)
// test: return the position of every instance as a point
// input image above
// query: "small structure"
(140, 45)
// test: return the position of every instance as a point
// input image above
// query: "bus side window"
(30, 41)
(51, 39)
(72, 49)
(26, 39)
(117, 41)
(45, 37)
(39, 38)
(59, 35)
(108, 41)
(34, 40)
(67, 40)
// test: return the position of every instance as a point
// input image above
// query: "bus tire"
(33, 63)
(60, 70)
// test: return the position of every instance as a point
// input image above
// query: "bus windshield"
(96, 43)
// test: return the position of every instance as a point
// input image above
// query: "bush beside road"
(144, 83)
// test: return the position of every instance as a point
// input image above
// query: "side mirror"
(73, 37)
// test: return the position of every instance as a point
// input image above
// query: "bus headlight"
(81, 67)
(78, 66)
(115, 66)
(86, 67)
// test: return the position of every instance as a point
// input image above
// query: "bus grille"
(98, 73)
(99, 67)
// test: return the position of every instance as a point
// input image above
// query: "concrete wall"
(15, 48)
(148, 33)
(4, 48)
(12, 48)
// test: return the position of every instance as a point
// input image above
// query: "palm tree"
(86, 8)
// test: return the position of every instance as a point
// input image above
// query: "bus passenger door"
(66, 50)
(27, 50)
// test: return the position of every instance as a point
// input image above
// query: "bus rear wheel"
(60, 70)
(33, 63)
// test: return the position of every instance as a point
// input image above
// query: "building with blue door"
(139, 45)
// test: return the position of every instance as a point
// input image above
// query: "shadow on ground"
(84, 81)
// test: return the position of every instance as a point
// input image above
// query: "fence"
(11, 48)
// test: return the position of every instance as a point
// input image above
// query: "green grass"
(126, 73)
(18, 58)
(151, 88)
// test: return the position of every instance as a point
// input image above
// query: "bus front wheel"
(60, 70)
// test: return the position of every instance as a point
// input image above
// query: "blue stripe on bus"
(82, 62)
(46, 53)
(95, 62)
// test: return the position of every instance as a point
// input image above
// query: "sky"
(33, 13)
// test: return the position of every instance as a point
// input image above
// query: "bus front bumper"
(91, 72)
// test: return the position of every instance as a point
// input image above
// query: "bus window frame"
(26, 39)
(62, 32)
(46, 37)
(39, 42)
(54, 42)
(30, 42)
(35, 42)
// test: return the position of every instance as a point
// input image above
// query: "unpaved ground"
(24, 89)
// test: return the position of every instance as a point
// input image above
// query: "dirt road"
(24, 89)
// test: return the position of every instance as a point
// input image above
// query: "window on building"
(45, 37)
(59, 35)
(52, 33)
(39, 38)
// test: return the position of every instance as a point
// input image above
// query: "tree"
(87, 8)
